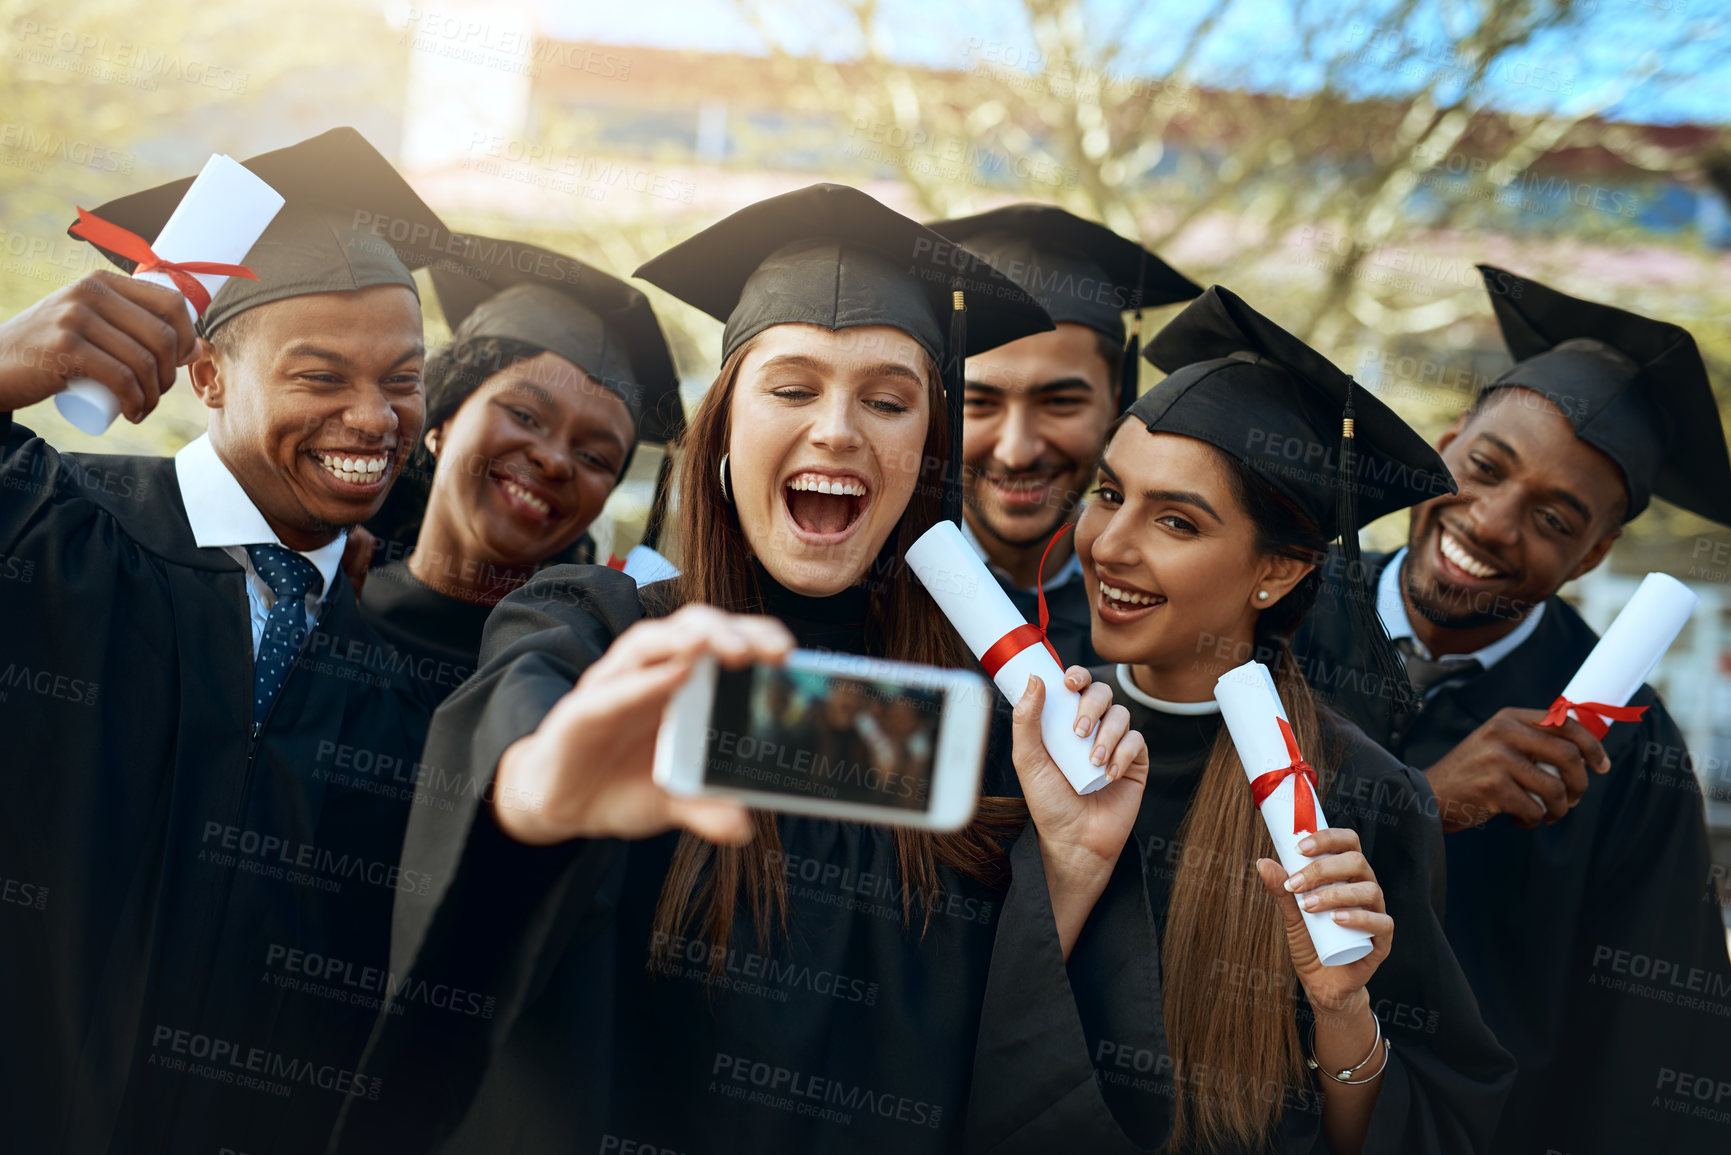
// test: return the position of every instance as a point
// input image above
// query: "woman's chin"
(813, 578)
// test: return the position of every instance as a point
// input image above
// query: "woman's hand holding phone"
(588, 765)
(1081, 835)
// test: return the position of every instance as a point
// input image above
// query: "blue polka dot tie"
(291, 577)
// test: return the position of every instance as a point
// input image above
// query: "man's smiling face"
(1537, 507)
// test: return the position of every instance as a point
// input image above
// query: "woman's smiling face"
(827, 433)
(1169, 554)
(528, 461)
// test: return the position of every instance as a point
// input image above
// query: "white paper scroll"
(1250, 708)
(644, 565)
(982, 614)
(1629, 650)
(219, 219)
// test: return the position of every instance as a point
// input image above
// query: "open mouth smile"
(825, 507)
(524, 497)
(1460, 565)
(1119, 604)
(357, 472)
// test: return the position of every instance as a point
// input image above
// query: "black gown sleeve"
(1447, 1076)
(29, 472)
(1043, 1022)
(1651, 972)
(497, 911)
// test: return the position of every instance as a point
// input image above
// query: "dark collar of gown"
(836, 622)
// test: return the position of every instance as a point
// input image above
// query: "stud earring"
(726, 490)
(1261, 595)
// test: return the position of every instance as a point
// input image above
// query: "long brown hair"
(705, 883)
(1228, 986)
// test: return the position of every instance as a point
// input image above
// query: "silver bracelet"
(1345, 1077)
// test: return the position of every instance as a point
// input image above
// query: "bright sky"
(1254, 46)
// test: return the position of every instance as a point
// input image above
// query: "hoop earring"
(726, 490)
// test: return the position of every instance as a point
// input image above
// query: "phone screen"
(823, 735)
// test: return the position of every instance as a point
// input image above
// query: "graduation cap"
(1248, 387)
(1080, 271)
(599, 323)
(830, 255)
(350, 221)
(1633, 387)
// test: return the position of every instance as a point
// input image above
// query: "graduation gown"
(1113, 1092)
(847, 1032)
(193, 973)
(438, 636)
(1594, 945)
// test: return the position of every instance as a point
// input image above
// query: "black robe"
(848, 1032)
(1068, 625)
(1595, 945)
(438, 635)
(160, 992)
(1445, 1079)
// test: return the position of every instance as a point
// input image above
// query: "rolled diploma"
(1628, 651)
(1249, 706)
(645, 565)
(219, 219)
(982, 613)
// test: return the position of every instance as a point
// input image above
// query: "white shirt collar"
(222, 516)
(1067, 572)
(1391, 608)
(1136, 694)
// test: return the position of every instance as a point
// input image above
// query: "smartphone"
(841, 736)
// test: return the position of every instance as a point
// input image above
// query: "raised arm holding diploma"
(222, 216)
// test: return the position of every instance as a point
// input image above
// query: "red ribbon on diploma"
(999, 653)
(614, 561)
(1595, 716)
(128, 244)
(1303, 801)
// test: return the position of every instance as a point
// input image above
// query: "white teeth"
(359, 470)
(1452, 550)
(529, 499)
(1129, 596)
(818, 483)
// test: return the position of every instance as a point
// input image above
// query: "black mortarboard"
(596, 321)
(830, 255)
(1080, 271)
(1248, 387)
(350, 221)
(1633, 387)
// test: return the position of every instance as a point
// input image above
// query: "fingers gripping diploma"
(588, 767)
(1495, 770)
(1080, 835)
(1338, 883)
